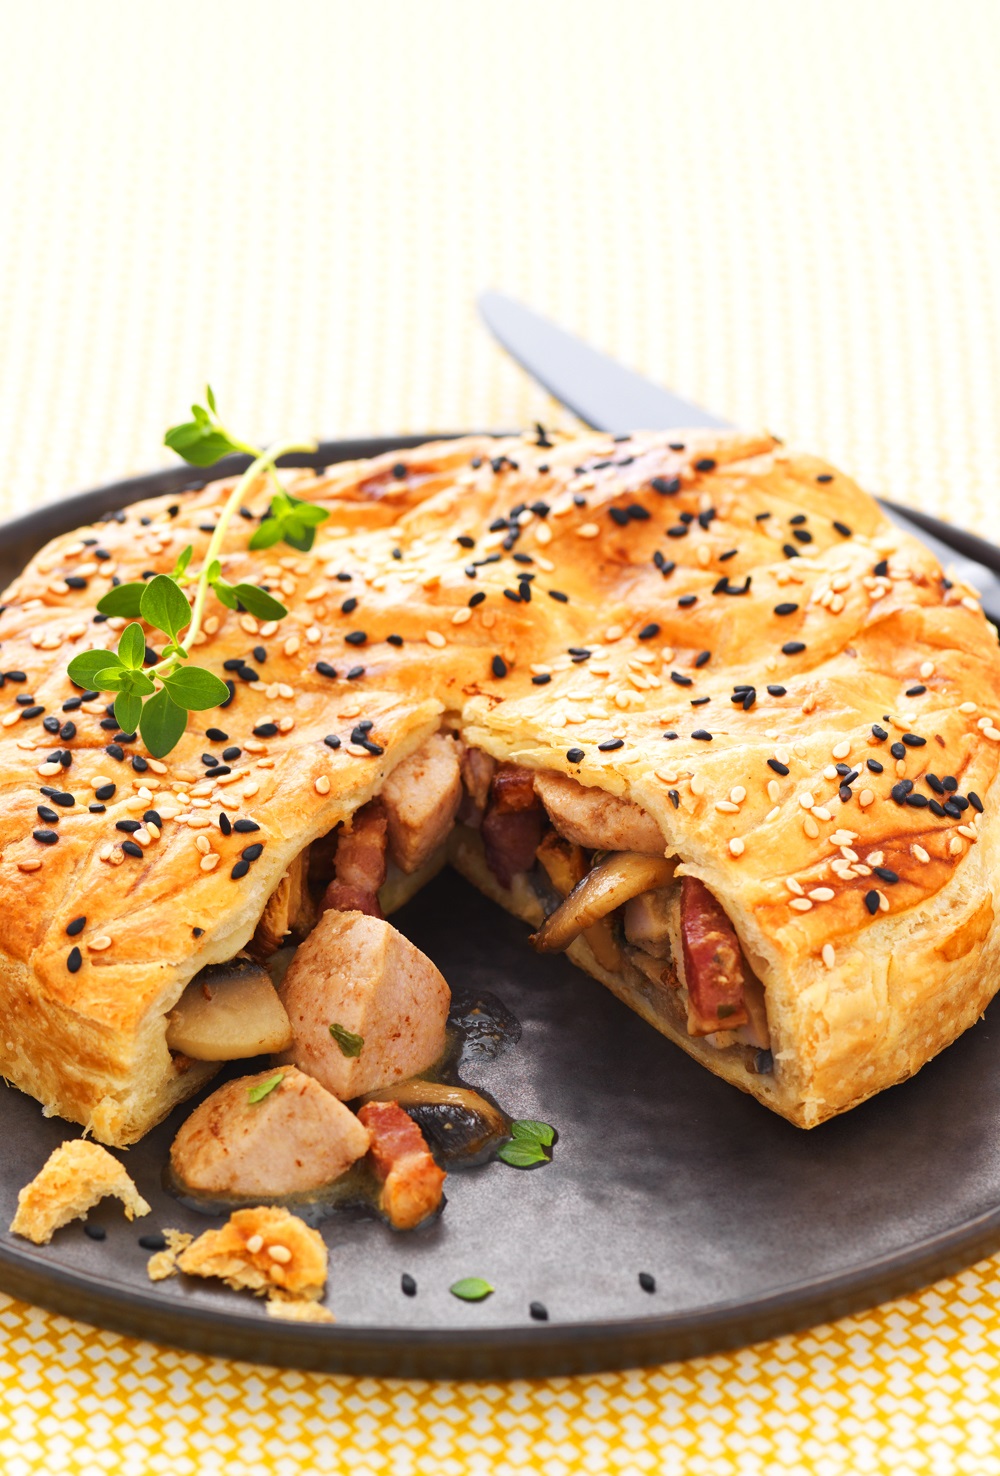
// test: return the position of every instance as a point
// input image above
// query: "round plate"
(749, 1227)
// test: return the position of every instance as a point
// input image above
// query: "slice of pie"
(687, 704)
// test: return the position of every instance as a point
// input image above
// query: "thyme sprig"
(155, 700)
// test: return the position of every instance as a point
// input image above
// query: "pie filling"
(594, 863)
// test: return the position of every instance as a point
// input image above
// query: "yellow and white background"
(786, 209)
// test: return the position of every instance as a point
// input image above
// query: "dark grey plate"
(749, 1226)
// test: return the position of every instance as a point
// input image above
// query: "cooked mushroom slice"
(565, 865)
(457, 1121)
(251, 1137)
(614, 880)
(229, 1011)
(367, 1008)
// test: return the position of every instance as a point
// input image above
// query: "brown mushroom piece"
(366, 1007)
(229, 1011)
(612, 882)
(246, 1140)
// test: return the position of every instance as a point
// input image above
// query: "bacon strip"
(359, 865)
(411, 1180)
(714, 971)
(513, 824)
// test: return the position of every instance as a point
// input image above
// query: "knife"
(608, 397)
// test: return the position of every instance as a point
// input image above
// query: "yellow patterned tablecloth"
(788, 209)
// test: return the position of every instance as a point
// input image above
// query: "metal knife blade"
(609, 397)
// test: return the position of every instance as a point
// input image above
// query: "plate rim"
(510, 1351)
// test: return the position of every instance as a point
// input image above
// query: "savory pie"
(687, 704)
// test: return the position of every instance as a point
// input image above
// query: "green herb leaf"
(84, 668)
(259, 602)
(305, 512)
(184, 558)
(132, 647)
(350, 1044)
(267, 534)
(226, 593)
(264, 1088)
(128, 710)
(522, 1153)
(199, 441)
(210, 397)
(298, 535)
(124, 601)
(195, 689)
(164, 606)
(471, 1289)
(538, 1132)
(162, 723)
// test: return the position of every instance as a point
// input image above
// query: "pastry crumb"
(298, 1310)
(263, 1250)
(164, 1262)
(76, 1176)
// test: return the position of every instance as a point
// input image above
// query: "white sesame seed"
(255, 1244)
(736, 846)
(801, 904)
(435, 638)
(209, 863)
(883, 902)
(970, 603)
(781, 754)
(926, 669)
(279, 1253)
(588, 530)
(727, 807)
(314, 635)
(807, 800)
(919, 852)
(794, 885)
(822, 894)
(773, 790)
(204, 844)
(99, 944)
(249, 624)
(967, 707)
(821, 812)
(773, 814)
(875, 858)
(968, 831)
(322, 785)
(697, 783)
(993, 734)
(738, 795)
(28, 865)
(810, 827)
(461, 616)
(841, 750)
(866, 798)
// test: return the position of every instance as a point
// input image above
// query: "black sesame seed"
(843, 529)
(132, 849)
(749, 698)
(399, 471)
(887, 874)
(73, 705)
(879, 733)
(139, 764)
(703, 658)
(233, 663)
(913, 740)
(115, 752)
(74, 960)
(557, 594)
(349, 605)
(240, 869)
(33, 712)
(793, 648)
(50, 724)
(512, 594)
(950, 783)
(331, 740)
(874, 765)
(915, 691)
(260, 653)
(934, 783)
(106, 791)
(881, 568)
(951, 808)
(231, 753)
(245, 827)
(802, 535)
(407, 1285)
(701, 733)
(541, 680)
(153, 1242)
(686, 601)
(465, 541)
(610, 744)
(777, 691)
(574, 755)
(777, 766)
(523, 559)
(67, 732)
(825, 477)
(975, 802)
(394, 640)
(153, 817)
(705, 464)
(356, 637)
(872, 902)
(128, 826)
(524, 590)
(681, 679)
(265, 730)
(97, 809)
(679, 530)
(619, 515)
(897, 750)
(790, 551)
(936, 809)
(498, 666)
(355, 672)
(16, 676)
(94, 1232)
(666, 486)
(216, 735)
(76, 926)
(846, 793)
(960, 801)
(647, 1282)
(538, 1311)
(649, 631)
(250, 853)
(670, 734)
(674, 796)
(46, 837)
(44, 813)
(699, 701)
(786, 608)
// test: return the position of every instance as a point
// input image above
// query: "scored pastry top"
(732, 635)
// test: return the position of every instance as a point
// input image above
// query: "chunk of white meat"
(421, 798)
(595, 819)
(358, 974)
(229, 1011)
(295, 1137)
(648, 920)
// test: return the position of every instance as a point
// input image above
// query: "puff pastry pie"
(722, 732)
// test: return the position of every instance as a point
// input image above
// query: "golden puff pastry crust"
(568, 607)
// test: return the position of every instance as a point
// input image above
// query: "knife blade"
(607, 396)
